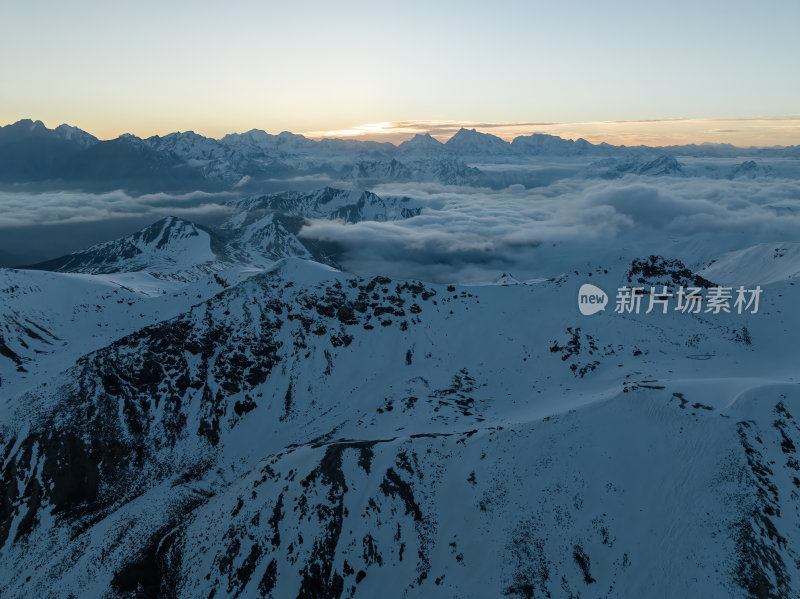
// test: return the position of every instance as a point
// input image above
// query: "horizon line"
(397, 132)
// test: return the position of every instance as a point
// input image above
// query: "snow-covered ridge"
(171, 244)
(761, 264)
(307, 430)
(260, 230)
(224, 411)
(347, 205)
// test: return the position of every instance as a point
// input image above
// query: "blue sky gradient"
(310, 66)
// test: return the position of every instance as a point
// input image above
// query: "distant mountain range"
(32, 153)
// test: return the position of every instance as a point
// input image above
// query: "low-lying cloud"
(463, 233)
(481, 232)
(20, 209)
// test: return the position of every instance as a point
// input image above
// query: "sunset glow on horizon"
(759, 132)
(740, 132)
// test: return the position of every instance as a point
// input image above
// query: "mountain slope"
(311, 433)
(760, 264)
(48, 320)
(171, 244)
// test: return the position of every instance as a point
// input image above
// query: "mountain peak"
(422, 144)
(290, 135)
(169, 244)
(27, 125)
(472, 142)
(423, 139)
(77, 135)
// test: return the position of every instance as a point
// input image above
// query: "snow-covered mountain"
(539, 144)
(260, 230)
(763, 263)
(73, 134)
(348, 205)
(750, 169)
(659, 166)
(421, 147)
(215, 160)
(251, 409)
(169, 245)
(476, 145)
(307, 432)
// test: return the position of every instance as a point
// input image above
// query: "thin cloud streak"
(757, 131)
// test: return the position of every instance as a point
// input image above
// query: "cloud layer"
(463, 233)
(20, 209)
(477, 233)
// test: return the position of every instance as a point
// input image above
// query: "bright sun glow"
(358, 130)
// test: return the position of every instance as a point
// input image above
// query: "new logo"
(591, 299)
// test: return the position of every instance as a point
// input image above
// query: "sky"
(674, 72)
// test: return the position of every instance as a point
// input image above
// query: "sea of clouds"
(464, 233)
(530, 232)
